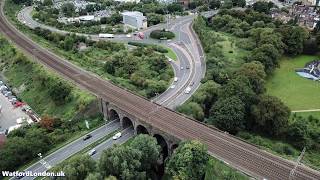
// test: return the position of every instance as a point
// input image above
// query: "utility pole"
(292, 172)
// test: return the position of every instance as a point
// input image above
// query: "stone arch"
(173, 148)
(126, 123)
(141, 129)
(113, 115)
(164, 146)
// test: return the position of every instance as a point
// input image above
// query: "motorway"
(235, 152)
(187, 53)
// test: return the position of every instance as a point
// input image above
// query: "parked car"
(192, 83)
(88, 136)
(117, 136)
(92, 152)
(9, 93)
(1, 83)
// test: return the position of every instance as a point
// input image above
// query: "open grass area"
(296, 92)
(171, 54)
(230, 51)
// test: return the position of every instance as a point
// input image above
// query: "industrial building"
(134, 19)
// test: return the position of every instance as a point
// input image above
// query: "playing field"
(296, 92)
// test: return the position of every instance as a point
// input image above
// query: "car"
(1, 83)
(181, 68)
(117, 136)
(187, 67)
(170, 60)
(192, 83)
(7, 94)
(88, 136)
(128, 35)
(175, 79)
(92, 152)
(187, 90)
(172, 86)
(21, 120)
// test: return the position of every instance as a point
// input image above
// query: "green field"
(296, 92)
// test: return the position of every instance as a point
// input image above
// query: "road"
(237, 153)
(183, 46)
(72, 148)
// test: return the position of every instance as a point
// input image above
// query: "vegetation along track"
(237, 153)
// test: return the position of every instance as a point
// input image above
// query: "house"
(134, 19)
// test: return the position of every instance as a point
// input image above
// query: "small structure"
(310, 71)
(134, 19)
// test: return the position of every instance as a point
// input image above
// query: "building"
(134, 19)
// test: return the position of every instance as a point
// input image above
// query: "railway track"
(232, 150)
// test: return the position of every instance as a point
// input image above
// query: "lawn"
(296, 92)
(171, 54)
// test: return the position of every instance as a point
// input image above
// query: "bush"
(153, 47)
(162, 34)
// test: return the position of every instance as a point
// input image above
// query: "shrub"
(162, 34)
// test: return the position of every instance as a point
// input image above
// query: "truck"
(106, 36)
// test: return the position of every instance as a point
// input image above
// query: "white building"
(134, 19)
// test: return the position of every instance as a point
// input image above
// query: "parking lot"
(11, 112)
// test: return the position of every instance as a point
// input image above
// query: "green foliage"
(188, 161)
(76, 168)
(270, 115)
(68, 9)
(192, 109)
(149, 148)
(294, 38)
(263, 6)
(132, 161)
(228, 114)
(154, 19)
(22, 147)
(162, 34)
(153, 47)
(254, 71)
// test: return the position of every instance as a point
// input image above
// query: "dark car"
(88, 136)
(188, 67)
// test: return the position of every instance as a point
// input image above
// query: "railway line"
(232, 150)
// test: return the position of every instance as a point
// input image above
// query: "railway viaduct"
(167, 142)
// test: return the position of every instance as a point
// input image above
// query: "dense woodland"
(232, 97)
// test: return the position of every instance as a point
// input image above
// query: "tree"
(228, 114)
(270, 115)
(192, 109)
(240, 87)
(262, 6)
(149, 148)
(298, 133)
(310, 46)
(68, 9)
(47, 122)
(268, 55)
(95, 176)
(47, 2)
(214, 4)
(59, 90)
(293, 37)
(254, 71)
(188, 161)
(76, 168)
(154, 18)
(122, 162)
(240, 3)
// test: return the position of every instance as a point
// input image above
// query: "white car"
(175, 79)
(117, 136)
(170, 60)
(21, 120)
(172, 86)
(92, 152)
(181, 68)
(128, 35)
(187, 90)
